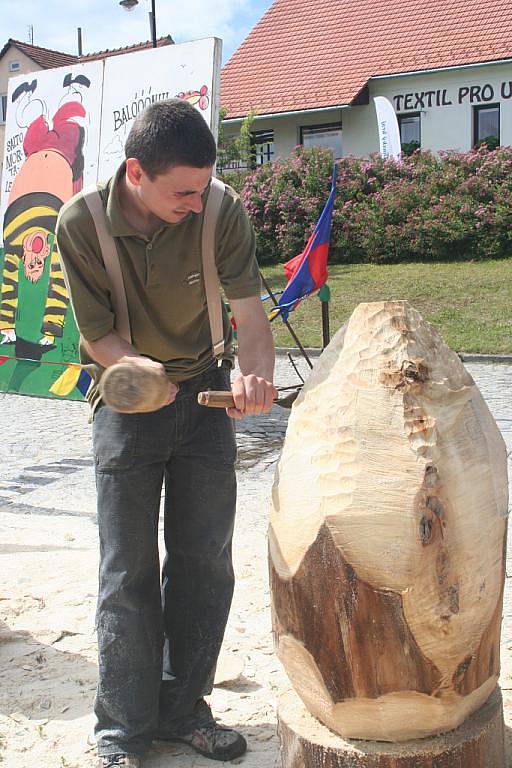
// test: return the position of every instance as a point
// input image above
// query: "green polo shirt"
(163, 279)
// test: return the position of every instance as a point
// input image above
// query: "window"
(262, 146)
(14, 66)
(3, 107)
(410, 132)
(486, 126)
(327, 136)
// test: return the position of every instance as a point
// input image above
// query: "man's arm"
(112, 349)
(89, 288)
(253, 390)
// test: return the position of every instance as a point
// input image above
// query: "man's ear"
(134, 171)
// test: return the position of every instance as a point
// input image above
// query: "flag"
(72, 377)
(84, 382)
(307, 272)
(389, 132)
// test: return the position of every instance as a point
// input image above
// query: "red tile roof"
(308, 54)
(167, 40)
(47, 59)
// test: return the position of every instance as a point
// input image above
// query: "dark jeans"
(142, 688)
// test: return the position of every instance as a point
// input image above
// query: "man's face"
(172, 195)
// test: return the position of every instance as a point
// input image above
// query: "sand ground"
(48, 565)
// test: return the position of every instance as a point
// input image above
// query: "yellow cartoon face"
(199, 98)
(36, 249)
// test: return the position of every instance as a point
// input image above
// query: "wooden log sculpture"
(387, 546)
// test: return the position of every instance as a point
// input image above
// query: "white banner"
(389, 132)
(189, 71)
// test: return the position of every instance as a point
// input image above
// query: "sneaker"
(214, 741)
(120, 760)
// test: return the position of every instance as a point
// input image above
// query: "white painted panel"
(134, 81)
(48, 108)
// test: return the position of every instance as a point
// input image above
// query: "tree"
(235, 152)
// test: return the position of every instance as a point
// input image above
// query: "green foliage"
(424, 208)
(235, 178)
(237, 148)
(284, 200)
(409, 147)
(490, 142)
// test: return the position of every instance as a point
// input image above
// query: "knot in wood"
(411, 372)
(426, 529)
(414, 372)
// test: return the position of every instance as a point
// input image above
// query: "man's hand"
(253, 396)
(147, 363)
(112, 349)
(253, 390)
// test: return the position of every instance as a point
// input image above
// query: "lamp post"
(129, 5)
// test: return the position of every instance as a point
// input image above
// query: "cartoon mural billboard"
(59, 124)
(51, 151)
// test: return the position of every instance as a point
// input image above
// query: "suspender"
(211, 279)
(111, 260)
(210, 275)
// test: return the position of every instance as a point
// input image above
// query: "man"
(157, 655)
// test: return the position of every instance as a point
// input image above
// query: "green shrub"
(426, 207)
(235, 178)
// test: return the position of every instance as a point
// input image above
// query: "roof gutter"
(442, 69)
(287, 114)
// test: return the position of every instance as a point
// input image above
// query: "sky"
(106, 25)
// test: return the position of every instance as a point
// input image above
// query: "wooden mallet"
(130, 388)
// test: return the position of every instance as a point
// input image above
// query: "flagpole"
(292, 332)
(324, 294)
(4, 358)
(326, 335)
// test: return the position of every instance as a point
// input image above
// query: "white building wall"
(446, 112)
(287, 128)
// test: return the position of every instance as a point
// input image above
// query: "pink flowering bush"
(427, 207)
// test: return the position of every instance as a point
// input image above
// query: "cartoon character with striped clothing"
(34, 301)
(33, 283)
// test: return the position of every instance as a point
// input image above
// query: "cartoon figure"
(34, 299)
(199, 97)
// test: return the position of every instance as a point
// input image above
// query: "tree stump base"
(306, 743)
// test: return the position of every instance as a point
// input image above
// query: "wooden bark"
(387, 535)
(305, 743)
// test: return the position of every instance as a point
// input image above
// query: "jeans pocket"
(223, 431)
(114, 437)
(222, 426)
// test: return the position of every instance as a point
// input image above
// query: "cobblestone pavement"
(47, 495)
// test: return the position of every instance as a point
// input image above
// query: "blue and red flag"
(307, 272)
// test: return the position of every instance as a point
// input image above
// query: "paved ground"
(47, 671)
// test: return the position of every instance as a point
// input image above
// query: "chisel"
(216, 399)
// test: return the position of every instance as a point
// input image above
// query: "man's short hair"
(170, 133)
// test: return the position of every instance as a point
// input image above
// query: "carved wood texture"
(478, 743)
(387, 535)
